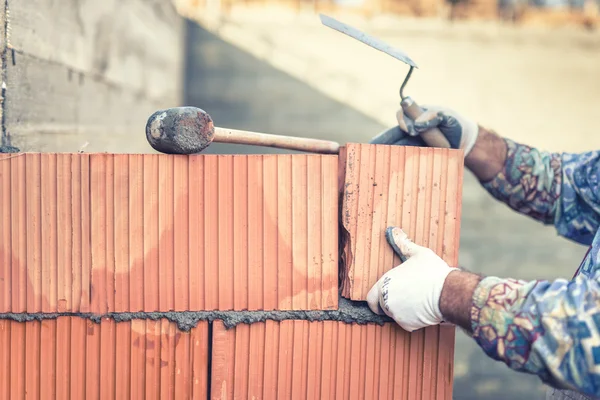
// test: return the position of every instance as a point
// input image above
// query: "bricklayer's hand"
(460, 131)
(410, 293)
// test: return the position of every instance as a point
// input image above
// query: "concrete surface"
(86, 74)
(258, 72)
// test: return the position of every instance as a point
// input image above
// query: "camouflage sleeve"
(529, 183)
(550, 329)
(553, 188)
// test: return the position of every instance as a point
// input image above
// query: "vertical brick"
(196, 235)
(285, 364)
(18, 359)
(256, 266)
(48, 232)
(329, 366)
(151, 233)
(379, 215)
(271, 359)
(5, 360)
(356, 356)
(64, 234)
(76, 221)
(329, 233)
(33, 368)
(241, 361)
(92, 361)
(123, 372)
(34, 233)
(107, 358)
(314, 361)
(165, 232)
(109, 272)
(371, 368)
(384, 385)
(256, 362)
(299, 233)
(240, 233)
(47, 366)
(270, 233)
(5, 234)
(138, 359)
(182, 370)
(343, 362)
(20, 280)
(99, 228)
(284, 221)
(314, 232)
(199, 364)
(153, 357)
(226, 231)
(136, 232)
(223, 361)
(121, 211)
(211, 231)
(79, 356)
(86, 228)
(363, 225)
(166, 364)
(181, 232)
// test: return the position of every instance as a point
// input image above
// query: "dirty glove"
(410, 293)
(460, 132)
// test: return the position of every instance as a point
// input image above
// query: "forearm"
(526, 179)
(487, 158)
(536, 327)
(456, 299)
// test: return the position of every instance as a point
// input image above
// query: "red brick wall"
(107, 233)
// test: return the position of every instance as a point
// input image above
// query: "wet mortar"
(349, 312)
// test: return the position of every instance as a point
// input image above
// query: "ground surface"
(260, 70)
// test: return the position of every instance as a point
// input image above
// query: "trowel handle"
(433, 137)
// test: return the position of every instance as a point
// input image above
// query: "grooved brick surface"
(328, 360)
(130, 232)
(417, 189)
(75, 358)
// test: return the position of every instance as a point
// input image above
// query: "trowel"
(433, 137)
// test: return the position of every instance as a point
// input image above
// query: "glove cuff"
(470, 135)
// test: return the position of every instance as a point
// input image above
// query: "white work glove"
(410, 293)
(460, 131)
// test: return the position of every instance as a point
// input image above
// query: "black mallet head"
(180, 130)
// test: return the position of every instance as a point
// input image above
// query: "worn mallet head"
(180, 130)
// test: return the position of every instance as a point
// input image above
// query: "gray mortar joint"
(349, 312)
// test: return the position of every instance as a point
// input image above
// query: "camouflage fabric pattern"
(547, 328)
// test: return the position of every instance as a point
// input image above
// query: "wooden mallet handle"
(433, 137)
(235, 136)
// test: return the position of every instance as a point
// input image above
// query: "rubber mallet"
(189, 130)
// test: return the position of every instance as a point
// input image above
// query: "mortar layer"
(350, 312)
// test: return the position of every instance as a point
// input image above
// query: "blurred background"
(84, 75)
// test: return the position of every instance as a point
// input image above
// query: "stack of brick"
(160, 276)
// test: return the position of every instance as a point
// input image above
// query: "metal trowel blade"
(367, 39)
